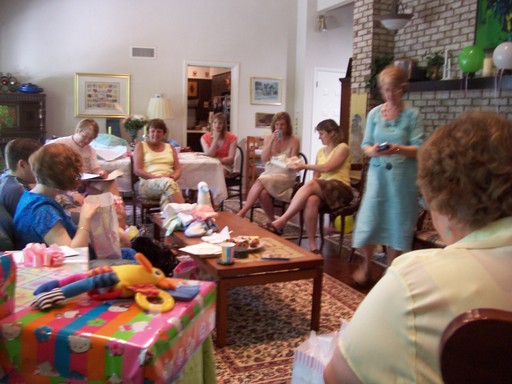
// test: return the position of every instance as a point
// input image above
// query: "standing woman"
(274, 182)
(330, 185)
(156, 163)
(220, 143)
(389, 208)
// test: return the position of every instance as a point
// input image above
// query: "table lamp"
(160, 108)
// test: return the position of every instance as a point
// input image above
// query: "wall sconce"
(396, 20)
(322, 26)
(160, 108)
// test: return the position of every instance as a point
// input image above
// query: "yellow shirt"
(343, 172)
(158, 163)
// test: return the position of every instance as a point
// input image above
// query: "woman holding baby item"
(276, 182)
(330, 185)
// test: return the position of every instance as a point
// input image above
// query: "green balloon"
(471, 59)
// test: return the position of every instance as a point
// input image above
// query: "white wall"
(46, 42)
(331, 49)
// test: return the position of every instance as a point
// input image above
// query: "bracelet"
(397, 149)
(83, 228)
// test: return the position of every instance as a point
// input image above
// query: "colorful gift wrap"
(105, 341)
(7, 284)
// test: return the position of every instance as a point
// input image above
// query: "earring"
(448, 231)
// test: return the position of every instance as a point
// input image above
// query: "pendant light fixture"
(397, 19)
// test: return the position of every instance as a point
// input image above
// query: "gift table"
(102, 341)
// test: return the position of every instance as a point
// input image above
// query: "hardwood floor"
(339, 267)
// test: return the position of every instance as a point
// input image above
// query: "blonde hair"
(287, 132)
(89, 125)
(221, 118)
(394, 77)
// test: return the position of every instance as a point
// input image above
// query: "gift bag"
(105, 227)
(7, 284)
(311, 358)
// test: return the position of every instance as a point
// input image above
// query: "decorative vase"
(434, 73)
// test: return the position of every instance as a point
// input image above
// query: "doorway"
(210, 88)
(326, 103)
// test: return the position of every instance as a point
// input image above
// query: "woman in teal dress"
(389, 208)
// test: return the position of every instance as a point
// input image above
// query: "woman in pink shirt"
(219, 143)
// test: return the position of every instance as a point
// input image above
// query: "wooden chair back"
(234, 181)
(476, 347)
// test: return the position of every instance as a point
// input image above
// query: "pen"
(277, 258)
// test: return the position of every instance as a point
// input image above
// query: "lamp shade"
(160, 108)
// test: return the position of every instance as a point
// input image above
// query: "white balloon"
(502, 55)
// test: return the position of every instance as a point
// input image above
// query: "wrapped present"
(7, 284)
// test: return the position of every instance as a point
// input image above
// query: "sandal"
(269, 227)
(316, 251)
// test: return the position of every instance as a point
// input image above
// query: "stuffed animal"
(112, 282)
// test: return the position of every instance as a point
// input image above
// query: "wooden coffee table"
(253, 271)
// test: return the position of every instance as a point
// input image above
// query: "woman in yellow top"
(156, 163)
(330, 184)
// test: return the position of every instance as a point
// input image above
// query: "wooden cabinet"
(253, 165)
(22, 115)
(194, 140)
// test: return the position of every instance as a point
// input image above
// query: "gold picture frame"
(102, 95)
(263, 120)
(266, 91)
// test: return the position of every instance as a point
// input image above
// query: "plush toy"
(112, 282)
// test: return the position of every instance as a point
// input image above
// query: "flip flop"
(269, 227)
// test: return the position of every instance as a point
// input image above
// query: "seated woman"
(220, 143)
(85, 132)
(330, 184)
(157, 164)
(275, 182)
(39, 218)
(464, 173)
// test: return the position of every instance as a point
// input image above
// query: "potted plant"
(435, 61)
(133, 124)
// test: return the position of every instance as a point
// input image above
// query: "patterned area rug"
(267, 323)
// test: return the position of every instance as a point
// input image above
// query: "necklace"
(391, 117)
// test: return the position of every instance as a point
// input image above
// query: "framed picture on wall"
(406, 64)
(192, 88)
(266, 91)
(263, 120)
(492, 23)
(102, 95)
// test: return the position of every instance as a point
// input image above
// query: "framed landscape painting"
(102, 95)
(266, 91)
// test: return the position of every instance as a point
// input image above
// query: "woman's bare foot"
(361, 276)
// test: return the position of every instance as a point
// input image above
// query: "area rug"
(267, 323)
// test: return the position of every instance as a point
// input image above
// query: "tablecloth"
(195, 168)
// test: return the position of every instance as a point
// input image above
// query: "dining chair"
(350, 209)
(281, 204)
(476, 347)
(147, 206)
(235, 178)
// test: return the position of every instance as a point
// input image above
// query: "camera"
(383, 146)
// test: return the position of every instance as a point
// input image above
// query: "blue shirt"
(11, 189)
(36, 215)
